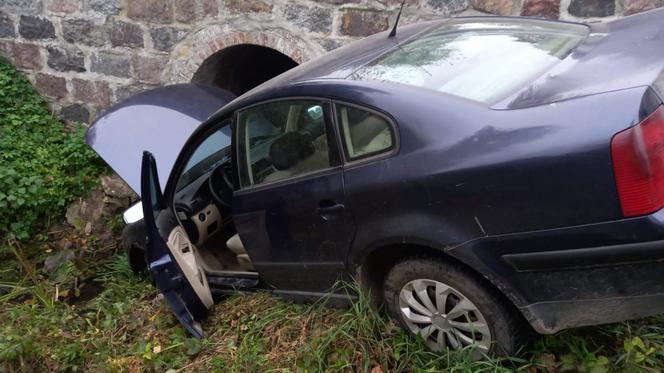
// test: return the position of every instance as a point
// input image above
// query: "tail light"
(638, 165)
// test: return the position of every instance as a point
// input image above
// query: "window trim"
(331, 121)
(369, 157)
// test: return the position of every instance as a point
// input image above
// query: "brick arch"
(190, 53)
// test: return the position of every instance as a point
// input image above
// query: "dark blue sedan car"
(477, 176)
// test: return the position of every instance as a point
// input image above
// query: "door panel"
(187, 257)
(172, 259)
(291, 214)
(297, 233)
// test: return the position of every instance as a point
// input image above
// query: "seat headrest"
(289, 149)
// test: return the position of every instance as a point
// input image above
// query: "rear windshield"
(483, 61)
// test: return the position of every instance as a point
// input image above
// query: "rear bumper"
(551, 317)
(577, 276)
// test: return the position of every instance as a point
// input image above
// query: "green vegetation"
(94, 314)
(128, 327)
(42, 165)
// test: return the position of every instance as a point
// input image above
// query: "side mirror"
(134, 213)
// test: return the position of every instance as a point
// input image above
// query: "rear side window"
(364, 132)
(483, 61)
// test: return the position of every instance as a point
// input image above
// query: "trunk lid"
(622, 54)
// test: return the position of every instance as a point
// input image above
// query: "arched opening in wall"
(239, 68)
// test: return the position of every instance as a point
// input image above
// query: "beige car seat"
(237, 247)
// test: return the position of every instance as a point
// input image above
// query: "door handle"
(328, 210)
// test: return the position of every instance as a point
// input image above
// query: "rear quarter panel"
(464, 171)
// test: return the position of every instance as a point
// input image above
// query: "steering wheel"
(220, 185)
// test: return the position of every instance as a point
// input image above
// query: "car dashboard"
(197, 209)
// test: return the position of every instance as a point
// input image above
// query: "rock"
(342, 2)
(107, 7)
(66, 59)
(83, 31)
(27, 56)
(32, 27)
(246, 6)
(638, 6)
(592, 8)
(209, 8)
(157, 11)
(500, 7)
(448, 6)
(21, 6)
(7, 29)
(51, 86)
(63, 6)
(148, 69)
(63, 244)
(110, 63)
(6, 48)
(124, 34)
(88, 210)
(56, 260)
(114, 187)
(329, 44)
(185, 11)
(76, 113)
(124, 92)
(315, 19)
(541, 8)
(93, 92)
(91, 214)
(189, 11)
(164, 38)
(363, 22)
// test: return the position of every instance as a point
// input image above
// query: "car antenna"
(393, 33)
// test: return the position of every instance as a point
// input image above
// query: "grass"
(125, 325)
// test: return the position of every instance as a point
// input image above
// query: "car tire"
(486, 320)
(134, 240)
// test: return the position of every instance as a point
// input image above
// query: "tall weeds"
(36, 286)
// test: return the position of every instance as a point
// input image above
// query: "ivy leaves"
(42, 165)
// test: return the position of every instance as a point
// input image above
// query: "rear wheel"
(451, 308)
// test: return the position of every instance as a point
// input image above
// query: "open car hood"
(159, 121)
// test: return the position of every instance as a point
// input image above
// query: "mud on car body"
(477, 175)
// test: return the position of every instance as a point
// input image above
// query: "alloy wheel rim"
(443, 316)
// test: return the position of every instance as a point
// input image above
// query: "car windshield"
(479, 60)
(209, 154)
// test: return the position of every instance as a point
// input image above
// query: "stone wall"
(87, 54)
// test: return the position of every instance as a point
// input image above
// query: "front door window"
(285, 139)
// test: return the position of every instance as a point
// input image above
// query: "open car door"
(172, 258)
